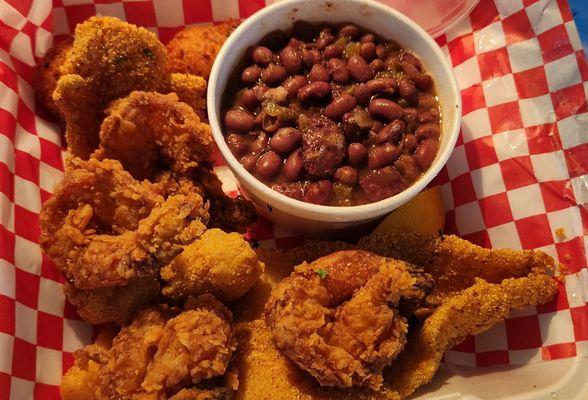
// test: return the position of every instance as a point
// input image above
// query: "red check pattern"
(518, 172)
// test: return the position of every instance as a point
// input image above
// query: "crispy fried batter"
(116, 304)
(219, 263)
(158, 354)
(109, 59)
(194, 49)
(103, 228)
(168, 133)
(47, 73)
(191, 90)
(343, 326)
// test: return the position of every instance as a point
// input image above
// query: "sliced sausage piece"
(382, 183)
(323, 146)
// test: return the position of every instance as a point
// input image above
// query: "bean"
(339, 106)
(382, 183)
(409, 142)
(249, 99)
(367, 38)
(250, 74)
(367, 51)
(382, 85)
(346, 175)
(249, 162)
(260, 90)
(318, 192)
(351, 31)
(262, 55)
(382, 51)
(318, 72)
(422, 81)
(293, 84)
(427, 101)
(273, 74)
(324, 40)
(377, 126)
(291, 59)
(410, 115)
(412, 59)
(311, 57)
(338, 69)
(278, 95)
(285, 140)
(391, 132)
(377, 65)
(428, 116)
(359, 69)
(293, 165)
(314, 91)
(427, 131)
(407, 91)
(238, 144)
(384, 108)
(259, 145)
(356, 154)
(362, 93)
(407, 167)
(425, 153)
(380, 156)
(333, 50)
(239, 120)
(269, 123)
(268, 165)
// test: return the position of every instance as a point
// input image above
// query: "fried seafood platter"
(152, 250)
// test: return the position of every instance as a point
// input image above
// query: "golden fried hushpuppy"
(219, 263)
(194, 49)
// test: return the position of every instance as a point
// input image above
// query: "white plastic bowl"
(384, 21)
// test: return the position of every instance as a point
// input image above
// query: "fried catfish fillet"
(194, 49)
(160, 353)
(109, 59)
(219, 263)
(515, 279)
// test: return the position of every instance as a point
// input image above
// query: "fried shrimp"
(338, 317)
(168, 132)
(219, 263)
(194, 49)
(103, 228)
(159, 354)
(109, 59)
(174, 140)
(47, 73)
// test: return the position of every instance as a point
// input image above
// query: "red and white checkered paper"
(519, 171)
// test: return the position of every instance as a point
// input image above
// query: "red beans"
(268, 165)
(380, 156)
(367, 51)
(387, 109)
(425, 153)
(291, 59)
(339, 106)
(359, 69)
(314, 91)
(357, 154)
(333, 50)
(293, 85)
(251, 74)
(239, 120)
(382, 85)
(285, 140)
(333, 104)
(262, 55)
(237, 144)
(346, 175)
(318, 73)
(338, 70)
(274, 74)
(293, 165)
